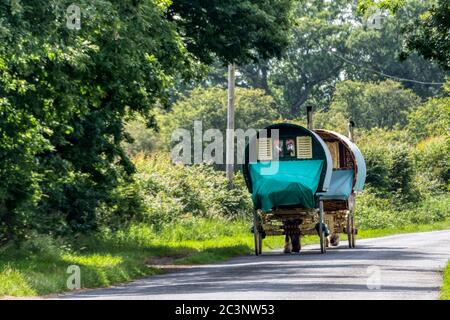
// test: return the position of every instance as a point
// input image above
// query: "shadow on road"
(308, 271)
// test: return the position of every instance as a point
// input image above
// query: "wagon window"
(304, 147)
(265, 149)
(284, 148)
(290, 148)
(333, 146)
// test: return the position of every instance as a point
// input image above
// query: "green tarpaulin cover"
(295, 183)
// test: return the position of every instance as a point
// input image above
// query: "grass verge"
(375, 233)
(40, 266)
(445, 290)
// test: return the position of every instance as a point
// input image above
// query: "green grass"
(445, 290)
(120, 257)
(40, 266)
(374, 233)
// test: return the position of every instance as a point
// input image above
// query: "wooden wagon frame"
(331, 215)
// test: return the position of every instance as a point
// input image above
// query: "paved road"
(407, 266)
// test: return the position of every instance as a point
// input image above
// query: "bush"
(401, 173)
(142, 137)
(432, 159)
(44, 246)
(390, 169)
(373, 212)
(174, 192)
(430, 119)
(75, 203)
(429, 210)
(378, 167)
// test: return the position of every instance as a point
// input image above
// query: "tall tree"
(375, 53)
(233, 31)
(426, 33)
(321, 28)
(65, 91)
(429, 34)
(70, 75)
(331, 41)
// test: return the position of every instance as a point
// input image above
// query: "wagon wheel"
(258, 242)
(351, 230)
(323, 238)
(257, 234)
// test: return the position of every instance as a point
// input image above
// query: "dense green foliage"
(173, 192)
(331, 41)
(378, 213)
(426, 34)
(66, 92)
(430, 119)
(432, 158)
(142, 137)
(235, 31)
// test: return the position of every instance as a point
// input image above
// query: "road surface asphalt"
(407, 266)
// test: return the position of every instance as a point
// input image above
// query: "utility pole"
(230, 125)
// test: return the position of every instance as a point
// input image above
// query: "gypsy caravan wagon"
(303, 182)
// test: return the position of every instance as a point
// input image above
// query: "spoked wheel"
(258, 243)
(323, 238)
(256, 234)
(351, 230)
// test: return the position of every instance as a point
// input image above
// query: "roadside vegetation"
(445, 290)
(39, 266)
(187, 216)
(86, 118)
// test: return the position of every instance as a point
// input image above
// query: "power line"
(387, 75)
